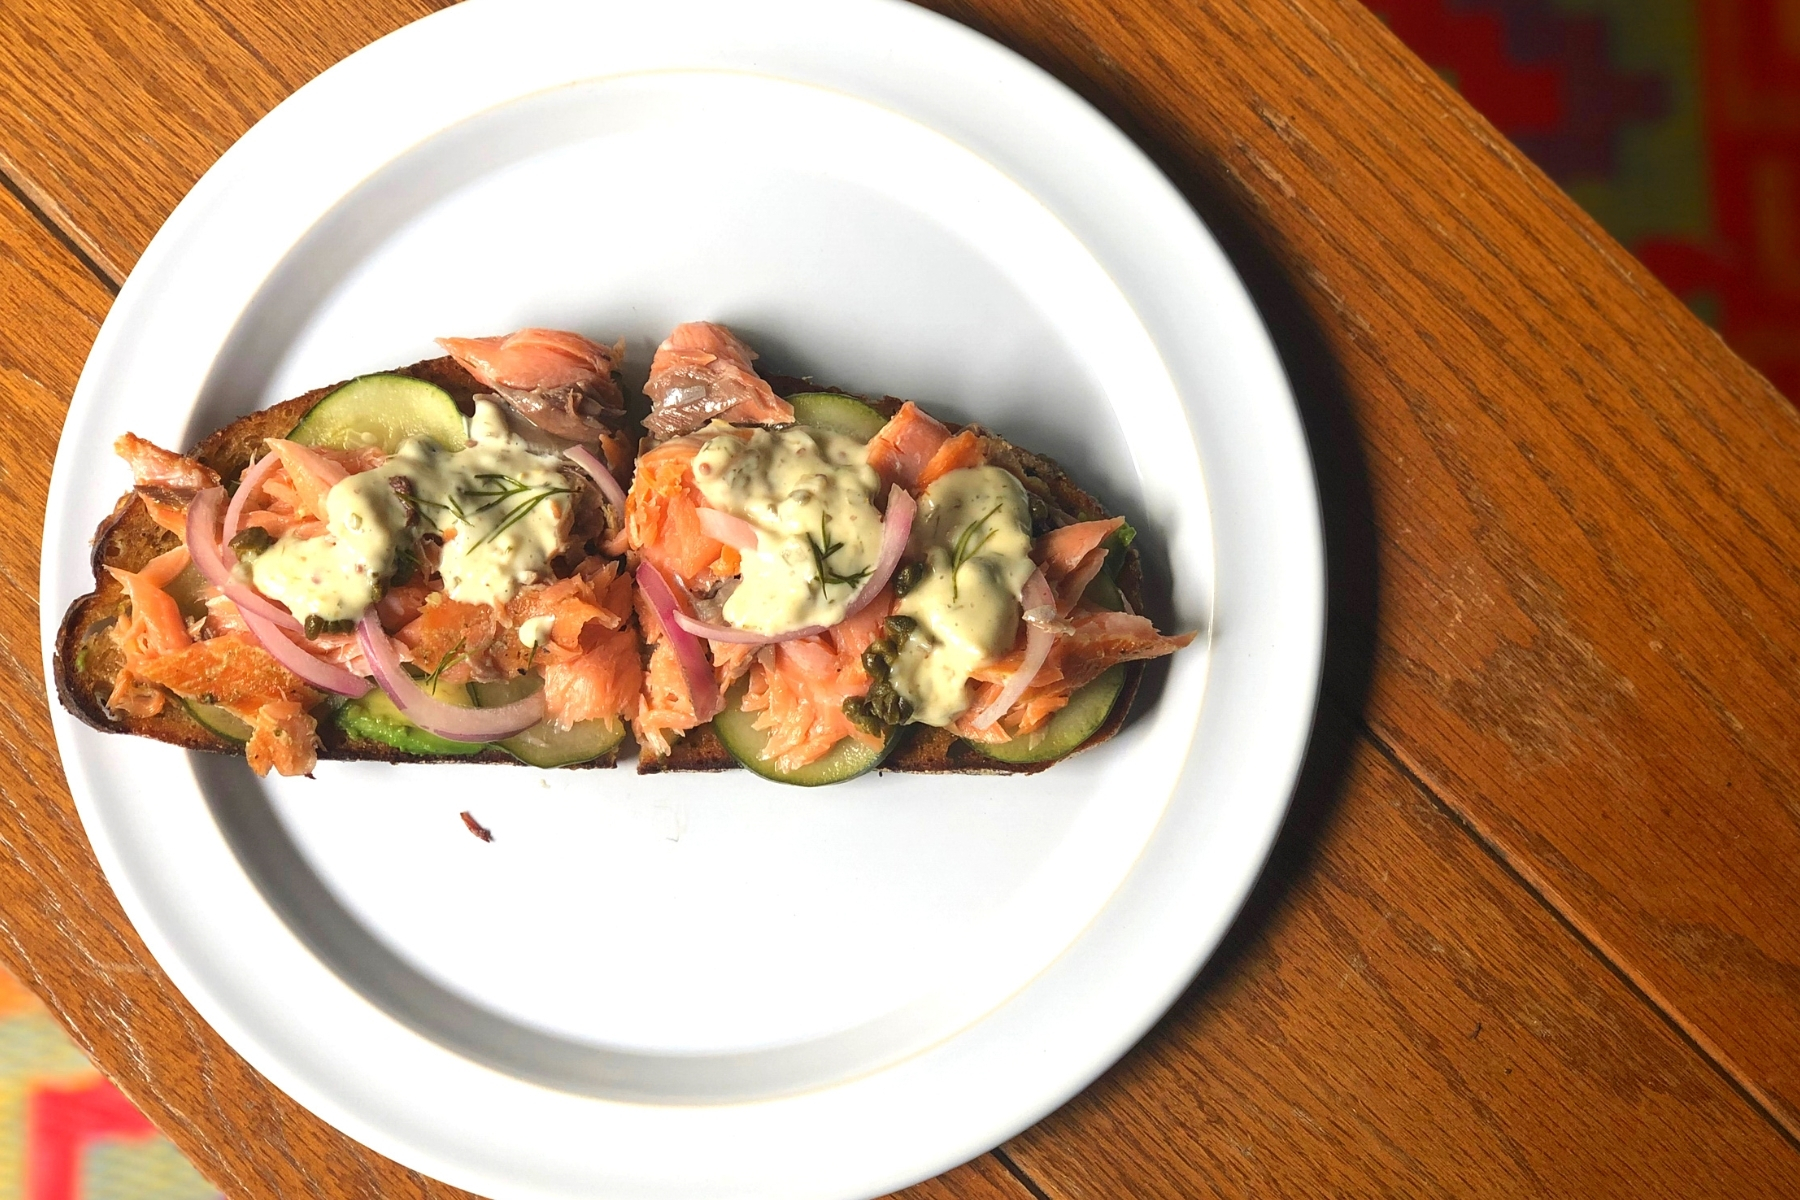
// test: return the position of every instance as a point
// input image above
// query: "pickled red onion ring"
(1038, 640)
(451, 721)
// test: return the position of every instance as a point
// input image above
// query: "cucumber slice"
(186, 589)
(837, 414)
(383, 410)
(846, 760)
(375, 718)
(221, 721)
(547, 744)
(1072, 725)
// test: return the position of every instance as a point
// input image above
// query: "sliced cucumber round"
(846, 760)
(187, 590)
(221, 721)
(547, 744)
(837, 414)
(375, 718)
(1072, 725)
(384, 411)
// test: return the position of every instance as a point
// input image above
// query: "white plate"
(697, 986)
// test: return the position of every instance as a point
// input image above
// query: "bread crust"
(87, 662)
(925, 750)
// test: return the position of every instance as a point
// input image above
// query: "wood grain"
(116, 107)
(1404, 1021)
(1585, 511)
(1564, 563)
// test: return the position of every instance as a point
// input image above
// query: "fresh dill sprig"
(963, 551)
(518, 513)
(457, 653)
(822, 550)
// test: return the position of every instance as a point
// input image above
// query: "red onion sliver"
(323, 675)
(252, 479)
(723, 527)
(450, 721)
(743, 637)
(703, 685)
(202, 516)
(1038, 641)
(895, 530)
(584, 458)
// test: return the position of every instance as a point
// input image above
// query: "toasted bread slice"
(926, 750)
(87, 661)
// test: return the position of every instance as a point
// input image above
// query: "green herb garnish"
(966, 548)
(457, 653)
(822, 550)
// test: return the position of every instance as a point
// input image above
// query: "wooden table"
(1533, 927)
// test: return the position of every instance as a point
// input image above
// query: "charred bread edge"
(926, 750)
(129, 538)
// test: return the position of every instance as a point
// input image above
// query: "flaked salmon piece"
(310, 475)
(1072, 556)
(905, 446)
(963, 450)
(702, 371)
(283, 735)
(665, 706)
(152, 465)
(165, 481)
(232, 671)
(450, 638)
(798, 688)
(152, 629)
(662, 514)
(580, 607)
(1097, 641)
(599, 684)
(559, 381)
(535, 358)
(402, 603)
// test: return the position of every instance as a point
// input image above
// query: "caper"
(251, 542)
(858, 713)
(315, 625)
(884, 648)
(908, 577)
(898, 629)
(889, 705)
(876, 664)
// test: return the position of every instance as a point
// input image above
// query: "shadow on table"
(1352, 567)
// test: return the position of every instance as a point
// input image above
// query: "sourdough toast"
(926, 750)
(87, 661)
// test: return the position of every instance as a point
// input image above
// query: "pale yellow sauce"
(809, 494)
(502, 509)
(967, 617)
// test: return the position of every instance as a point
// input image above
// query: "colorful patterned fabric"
(1676, 123)
(65, 1132)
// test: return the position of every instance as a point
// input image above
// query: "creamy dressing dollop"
(810, 496)
(502, 508)
(967, 613)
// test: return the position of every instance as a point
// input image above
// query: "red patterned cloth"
(1675, 122)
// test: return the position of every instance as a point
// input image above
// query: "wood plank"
(1567, 515)
(61, 930)
(127, 102)
(1397, 1017)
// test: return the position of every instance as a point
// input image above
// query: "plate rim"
(929, 28)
